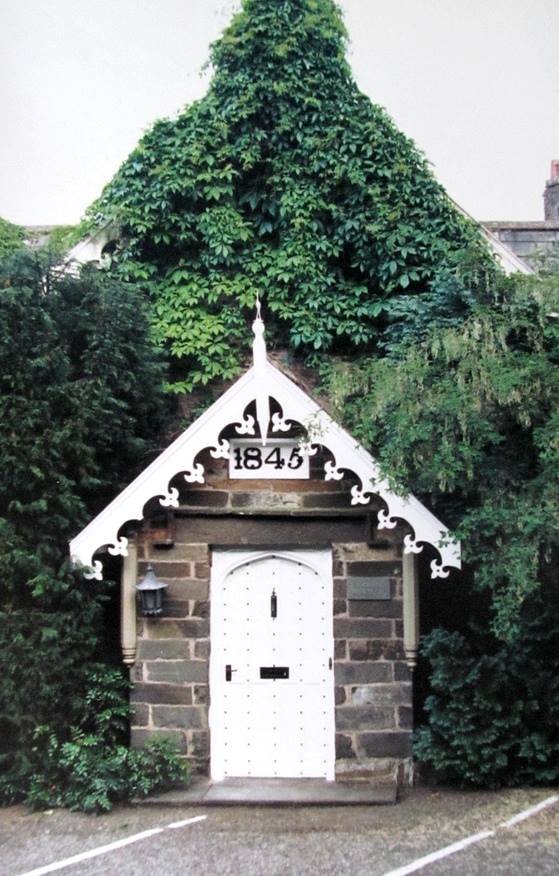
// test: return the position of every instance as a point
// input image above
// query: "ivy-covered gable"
(283, 181)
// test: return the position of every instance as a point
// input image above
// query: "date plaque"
(280, 459)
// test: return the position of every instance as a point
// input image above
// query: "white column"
(128, 605)
(411, 609)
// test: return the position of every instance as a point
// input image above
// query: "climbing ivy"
(283, 181)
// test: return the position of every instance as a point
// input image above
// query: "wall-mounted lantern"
(150, 590)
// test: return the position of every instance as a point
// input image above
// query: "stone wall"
(171, 672)
(372, 681)
(531, 241)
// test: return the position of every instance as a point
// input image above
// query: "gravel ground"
(252, 841)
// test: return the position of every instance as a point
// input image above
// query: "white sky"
(474, 82)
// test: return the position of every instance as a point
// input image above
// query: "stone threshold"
(275, 792)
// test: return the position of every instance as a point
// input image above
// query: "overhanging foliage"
(469, 414)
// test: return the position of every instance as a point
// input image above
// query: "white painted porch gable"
(259, 384)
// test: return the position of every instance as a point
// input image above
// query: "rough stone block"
(381, 552)
(361, 569)
(375, 608)
(180, 717)
(202, 570)
(376, 649)
(382, 695)
(340, 649)
(265, 500)
(380, 770)
(140, 715)
(206, 499)
(362, 718)
(340, 606)
(177, 608)
(186, 588)
(165, 694)
(200, 744)
(166, 569)
(253, 530)
(344, 746)
(402, 671)
(360, 628)
(202, 649)
(163, 649)
(195, 629)
(393, 649)
(362, 673)
(161, 628)
(201, 694)
(184, 671)
(397, 744)
(201, 608)
(327, 500)
(172, 629)
(196, 553)
(405, 717)
(340, 695)
(340, 588)
(139, 737)
(363, 649)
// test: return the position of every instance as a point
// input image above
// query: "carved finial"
(259, 344)
(260, 362)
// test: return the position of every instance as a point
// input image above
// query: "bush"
(95, 768)
(11, 238)
(494, 713)
(81, 405)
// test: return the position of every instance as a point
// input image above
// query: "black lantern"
(151, 594)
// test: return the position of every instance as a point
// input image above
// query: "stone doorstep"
(276, 792)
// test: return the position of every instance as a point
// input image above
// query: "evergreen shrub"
(80, 405)
(493, 714)
(11, 238)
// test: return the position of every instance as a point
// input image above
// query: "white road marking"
(441, 853)
(111, 847)
(176, 824)
(549, 801)
(471, 840)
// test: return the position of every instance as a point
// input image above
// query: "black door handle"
(228, 672)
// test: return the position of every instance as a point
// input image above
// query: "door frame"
(224, 561)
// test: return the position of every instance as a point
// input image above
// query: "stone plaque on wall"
(369, 588)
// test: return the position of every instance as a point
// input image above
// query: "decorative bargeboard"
(260, 384)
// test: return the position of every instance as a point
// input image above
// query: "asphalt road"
(265, 841)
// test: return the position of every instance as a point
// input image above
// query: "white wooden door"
(271, 678)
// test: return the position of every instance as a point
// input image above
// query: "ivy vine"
(283, 181)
